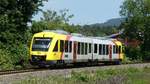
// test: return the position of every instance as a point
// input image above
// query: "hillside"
(111, 22)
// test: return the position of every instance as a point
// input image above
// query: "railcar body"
(50, 48)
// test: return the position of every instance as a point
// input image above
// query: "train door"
(115, 51)
(90, 56)
(95, 53)
(68, 51)
(100, 52)
(56, 51)
(106, 52)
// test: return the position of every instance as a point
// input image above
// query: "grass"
(108, 76)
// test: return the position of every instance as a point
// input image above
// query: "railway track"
(7, 72)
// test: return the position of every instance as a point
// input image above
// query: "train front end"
(40, 48)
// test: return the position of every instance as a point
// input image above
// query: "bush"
(20, 55)
(127, 60)
(5, 60)
(146, 56)
(134, 53)
(13, 56)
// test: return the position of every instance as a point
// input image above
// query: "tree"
(14, 32)
(137, 25)
(53, 20)
(14, 16)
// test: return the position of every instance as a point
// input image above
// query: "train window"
(70, 46)
(114, 49)
(82, 48)
(56, 47)
(89, 47)
(100, 49)
(95, 48)
(61, 45)
(107, 51)
(66, 46)
(104, 49)
(119, 49)
(86, 48)
(78, 47)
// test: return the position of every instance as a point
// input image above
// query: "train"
(52, 47)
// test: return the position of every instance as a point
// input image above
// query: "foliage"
(52, 20)
(14, 56)
(133, 53)
(106, 76)
(14, 32)
(127, 60)
(58, 18)
(146, 56)
(5, 60)
(14, 16)
(137, 25)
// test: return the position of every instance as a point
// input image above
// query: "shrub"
(146, 56)
(20, 55)
(134, 53)
(13, 56)
(5, 60)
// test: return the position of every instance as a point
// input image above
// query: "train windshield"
(41, 44)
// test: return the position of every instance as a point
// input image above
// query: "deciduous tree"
(137, 25)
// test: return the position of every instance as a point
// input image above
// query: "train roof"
(77, 35)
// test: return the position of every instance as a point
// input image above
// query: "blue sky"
(85, 11)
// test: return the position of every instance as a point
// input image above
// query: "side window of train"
(70, 46)
(82, 48)
(119, 49)
(86, 48)
(104, 49)
(78, 47)
(66, 46)
(61, 45)
(56, 47)
(89, 47)
(95, 48)
(100, 49)
(107, 51)
(114, 49)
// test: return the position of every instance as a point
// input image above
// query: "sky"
(85, 11)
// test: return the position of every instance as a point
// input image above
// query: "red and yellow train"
(53, 47)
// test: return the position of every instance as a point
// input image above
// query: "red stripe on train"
(67, 38)
(74, 51)
(110, 52)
